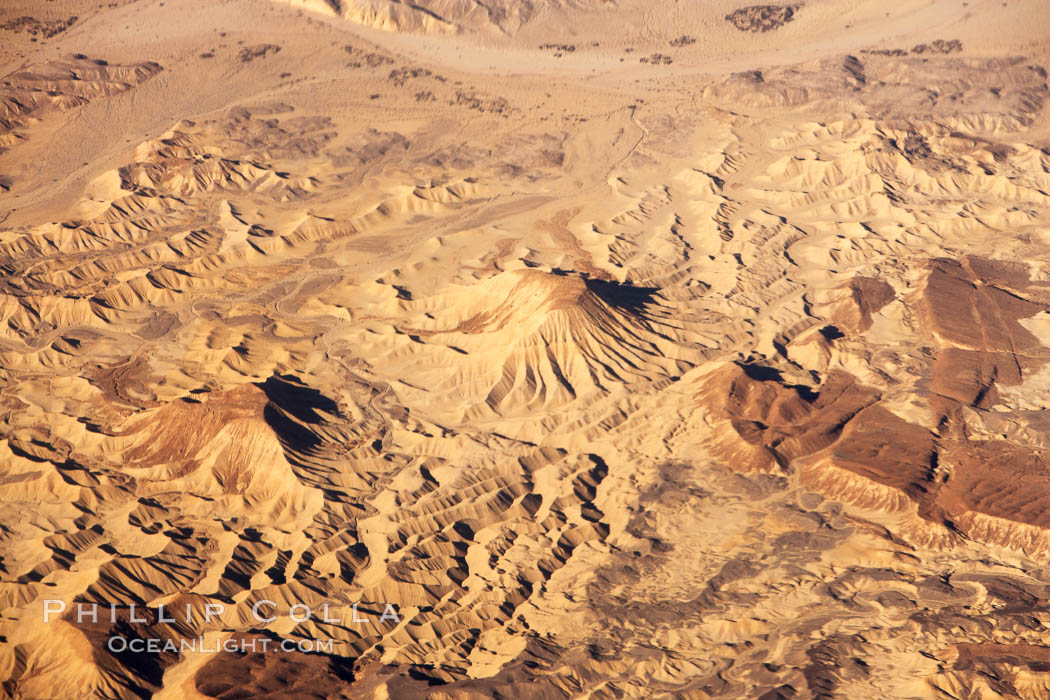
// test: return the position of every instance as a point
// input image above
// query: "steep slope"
(447, 16)
(537, 349)
(527, 342)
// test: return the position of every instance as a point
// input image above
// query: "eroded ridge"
(500, 354)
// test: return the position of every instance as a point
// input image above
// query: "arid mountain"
(550, 349)
(451, 16)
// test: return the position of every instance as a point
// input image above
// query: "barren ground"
(624, 349)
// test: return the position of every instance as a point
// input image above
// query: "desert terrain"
(524, 349)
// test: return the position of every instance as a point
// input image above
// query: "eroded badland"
(626, 349)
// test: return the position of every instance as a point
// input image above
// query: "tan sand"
(537, 349)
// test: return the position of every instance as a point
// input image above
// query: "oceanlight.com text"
(260, 645)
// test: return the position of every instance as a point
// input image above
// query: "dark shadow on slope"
(626, 297)
(761, 373)
(291, 404)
